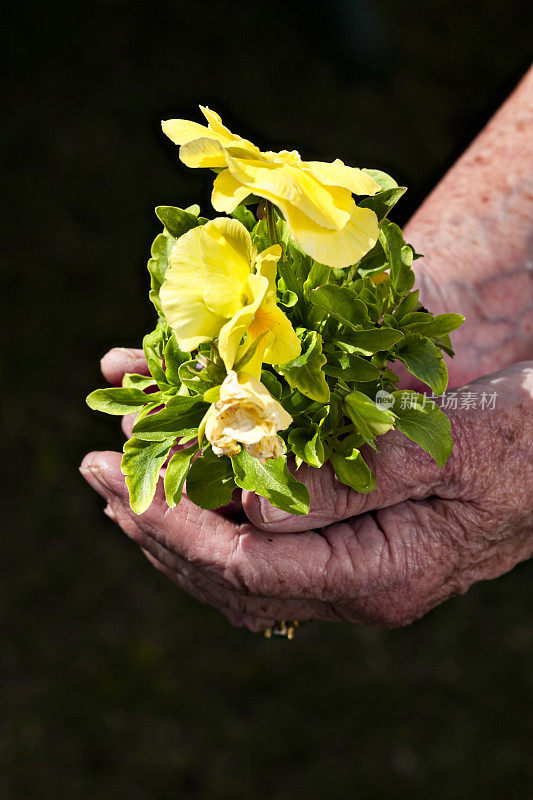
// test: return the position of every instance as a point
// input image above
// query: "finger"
(402, 469)
(128, 421)
(235, 555)
(120, 360)
(228, 599)
(201, 585)
(374, 568)
(235, 616)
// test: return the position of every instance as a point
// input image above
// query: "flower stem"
(271, 222)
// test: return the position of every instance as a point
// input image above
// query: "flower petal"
(281, 183)
(188, 316)
(285, 345)
(233, 331)
(203, 152)
(181, 131)
(267, 264)
(338, 174)
(215, 124)
(182, 294)
(335, 248)
(227, 253)
(227, 192)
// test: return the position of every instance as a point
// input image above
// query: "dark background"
(115, 684)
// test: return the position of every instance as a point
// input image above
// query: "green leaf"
(374, 262)
(305, 372)
(353, 471)
(382, 202)
(212, 395)
(210, 481)
(176, 220)
(384, 180)
(174, 357)
(318, 274)
(307, 445)
(177, 470)
(132, 380)
(157, 266)
(371, 341)
(415, 318)
(288, 299)
(180, 414)
(340, 303)
(351, 367)
(445, 344)
(408, 304)
(369, 419)
(423, 422)
(391, 238)
(241, 363)
(242, 214)
(424, 360)
(272, 481)
(271, 383)
(119, 401)
(153, 346)
(140, 465)
(440, 325)
(197, 380)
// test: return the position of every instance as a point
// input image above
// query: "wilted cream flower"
(246, 414)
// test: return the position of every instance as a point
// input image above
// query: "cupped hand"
(385, 558)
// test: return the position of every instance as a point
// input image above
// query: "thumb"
(403, 472)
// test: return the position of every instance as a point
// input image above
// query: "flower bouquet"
(278, 321)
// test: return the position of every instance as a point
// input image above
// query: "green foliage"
(210, 481)
(307, 445)
(305, 372)
(342, 304)
(371, 341)
(368, 418)
(119, 401)
(399, 256)
(177, 470)
(140, 465)
(352, 470)
(179, 414)
(272, 481)
(351, 323)
(245, 216)
(176, 220)
(383, 202)
(422, 421)
(424, 360)
(351, 368)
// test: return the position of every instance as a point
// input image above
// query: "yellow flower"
(216, 285)
(246, 413)
(315, 197)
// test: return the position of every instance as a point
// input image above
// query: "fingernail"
(271, 513)
(93, 475)
(108, 511)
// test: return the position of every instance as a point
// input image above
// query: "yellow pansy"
(315, 197)
(218, 286)
(246, 414)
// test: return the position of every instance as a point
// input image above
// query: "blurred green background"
(115, 684)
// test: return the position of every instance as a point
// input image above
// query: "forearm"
(476, 233)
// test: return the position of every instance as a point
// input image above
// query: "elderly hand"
(383, 558)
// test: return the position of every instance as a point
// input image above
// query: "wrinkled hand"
(385, 558)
